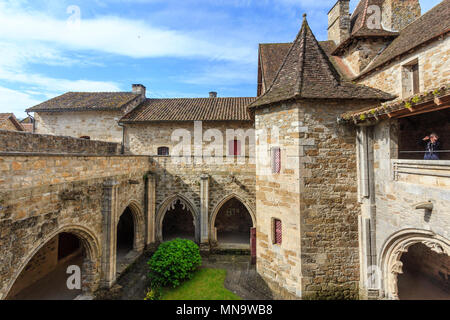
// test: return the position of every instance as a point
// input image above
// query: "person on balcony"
(431, 144)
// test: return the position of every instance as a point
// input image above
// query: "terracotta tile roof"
(27, 126)
(11, 117)
(414, 103)
(430, 26)
(307, 72)
(190, 109)
(83, 101)
(272, 56)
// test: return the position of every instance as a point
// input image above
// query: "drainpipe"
(372, 203)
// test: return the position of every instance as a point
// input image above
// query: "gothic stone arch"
(139, 224)
(91, 264)
(170, 203)
(398, 244)
(212, 221)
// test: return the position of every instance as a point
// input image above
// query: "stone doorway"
(233, 224)
(125, 253)
(425, 274)
(45, 275)
(178, 222)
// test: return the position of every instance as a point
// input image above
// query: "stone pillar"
(150, 236)
(109, 213)
(204, 205)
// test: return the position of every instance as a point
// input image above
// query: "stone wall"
(314, 197)
(339, 21)
(433, 69)
(362, 52)
(232, 177)
(389, 190)
(398, 14)
(42, 196)
(394, 199)
(7, 125)
(145, 139)
(14, 141)
(98, 125)
(278, 197)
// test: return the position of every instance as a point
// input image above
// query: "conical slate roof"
(307, 73)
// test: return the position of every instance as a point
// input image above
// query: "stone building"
(320, 176)
(8, 121)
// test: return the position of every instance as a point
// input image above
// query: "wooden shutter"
(234, 148)
(276, 160)
(278, 232)
(415, 79)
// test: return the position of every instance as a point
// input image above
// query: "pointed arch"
(89, 242)
(212, 221)
(164, 208)
(397, 244)
(139, 223)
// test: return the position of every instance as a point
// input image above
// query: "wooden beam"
(424, 111)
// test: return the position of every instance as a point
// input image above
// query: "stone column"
(109, 213)
(150, 236)
(204, 205)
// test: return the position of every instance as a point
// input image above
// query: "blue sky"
(176, 48)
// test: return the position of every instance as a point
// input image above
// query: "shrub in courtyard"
(173, 262)
(153, 294)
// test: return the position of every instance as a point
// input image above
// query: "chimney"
(213, 94)
(339, 21)
(138, 89)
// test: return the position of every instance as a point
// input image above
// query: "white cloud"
(16, 102)
(115, 35)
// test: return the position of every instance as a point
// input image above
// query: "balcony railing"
(427, 172)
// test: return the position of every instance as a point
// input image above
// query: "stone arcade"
(337, 204)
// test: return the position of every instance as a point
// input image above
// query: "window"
(410, 79)
(277, 232)
(163, 151)
(234, 148)
(85, 137)
(276, 160)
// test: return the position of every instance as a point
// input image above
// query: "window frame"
(274, 168)
(163, 154)
(277, 238)
(234, 148)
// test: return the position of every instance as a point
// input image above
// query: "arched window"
(163, 151)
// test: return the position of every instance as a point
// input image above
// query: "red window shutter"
(234, 147)
(276, 160)
(278, 236)
(237, 148)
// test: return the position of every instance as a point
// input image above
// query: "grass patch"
(206, 284)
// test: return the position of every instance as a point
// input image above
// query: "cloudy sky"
(177, 48)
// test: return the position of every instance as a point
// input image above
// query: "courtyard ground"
(206, 284)
(241, 279)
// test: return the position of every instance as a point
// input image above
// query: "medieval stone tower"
(373, 25)
(397, 14)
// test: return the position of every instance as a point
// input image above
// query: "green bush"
(173, 262)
